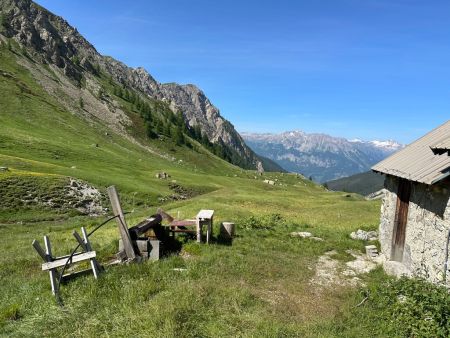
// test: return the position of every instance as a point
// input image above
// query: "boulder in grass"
(302, 234)
(362, 235)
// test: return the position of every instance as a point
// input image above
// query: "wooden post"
(94, 264)
(210, 229)
(80, 241)
(52, 272)
(202, 217)
(199, 230)
(227, 229)
(39, 250)
(123, 228)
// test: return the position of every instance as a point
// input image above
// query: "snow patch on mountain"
(321, 156)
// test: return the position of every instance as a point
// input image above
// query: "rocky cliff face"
(321, 156)
(53, 41)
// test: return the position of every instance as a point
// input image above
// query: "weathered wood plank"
(80, 241)
(165, 215)
(123, 228)
(67, 256)
(184, 223)
(39, 250)
(52, 272)
(61, 262)
(205, 214)
(94, 264)
(199, 231)
(144, 226)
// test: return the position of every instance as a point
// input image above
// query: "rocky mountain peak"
(321, 156)
(55, 42)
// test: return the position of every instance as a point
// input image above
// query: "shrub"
(413, 307)
(267, 222)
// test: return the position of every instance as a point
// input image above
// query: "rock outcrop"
(53, 41)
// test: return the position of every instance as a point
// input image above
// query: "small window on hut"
(401, 219)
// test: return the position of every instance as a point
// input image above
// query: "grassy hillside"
(260, 286)
(363, 184)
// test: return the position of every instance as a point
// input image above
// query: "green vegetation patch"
(399, 308)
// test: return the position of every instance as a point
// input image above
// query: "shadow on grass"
(223, 240)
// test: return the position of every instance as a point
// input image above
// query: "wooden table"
(204, 217)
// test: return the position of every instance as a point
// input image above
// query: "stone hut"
(415, 213)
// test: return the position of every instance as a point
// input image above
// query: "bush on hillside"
(266, 222)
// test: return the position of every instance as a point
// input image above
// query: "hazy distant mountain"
(321, 156)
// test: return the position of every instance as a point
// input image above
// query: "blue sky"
(371, 69)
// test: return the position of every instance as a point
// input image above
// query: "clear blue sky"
(372, 69)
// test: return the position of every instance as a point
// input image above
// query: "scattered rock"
(377, 195)
(361, 264)
(302, 234)
(269, 182)
(162, 175)
(362, 235)
(318, 239)
(73, 167)
(331, 272)
(371, 251)
(4, 169)
(259, 167)
(87, 199)
(402, 299)
(328, 272)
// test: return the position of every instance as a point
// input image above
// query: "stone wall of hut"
(427, 229)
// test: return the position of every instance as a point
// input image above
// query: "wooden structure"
(142, 241)
(205, 217)
(414, 228)
(191, 226)
(227, 229)
(51, 263)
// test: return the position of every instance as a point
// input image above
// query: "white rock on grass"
(302, 234)
(318, 239)
(362, 235)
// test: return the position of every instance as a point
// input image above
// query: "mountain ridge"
(51, 40)
(319, 155)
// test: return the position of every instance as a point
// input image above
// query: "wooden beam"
(144, 226)
(80, 241)
(52, 272)
(39, 250)
(165, 215)
(199, 230)
(61, 262)
(94, 264)
(123, 228)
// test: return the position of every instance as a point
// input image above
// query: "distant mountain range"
(320, 156)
